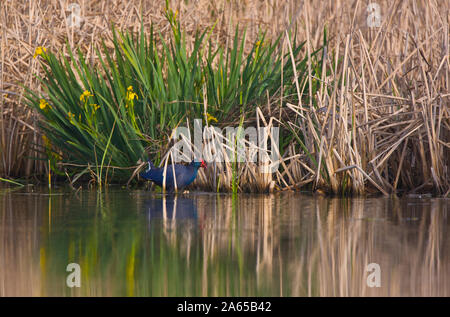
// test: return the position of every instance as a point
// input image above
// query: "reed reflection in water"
(133, 243)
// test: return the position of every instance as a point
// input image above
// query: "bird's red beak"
(203, 164)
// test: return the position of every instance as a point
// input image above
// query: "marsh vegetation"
(361, 108)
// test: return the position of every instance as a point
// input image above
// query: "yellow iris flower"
(211, 118)
(43, 104)
(39, 51)
(71, 116)
(95, 106)
(131, 94)
(86, 94)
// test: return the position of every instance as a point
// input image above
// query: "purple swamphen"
(184, 175)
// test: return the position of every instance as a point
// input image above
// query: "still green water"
(135, 243)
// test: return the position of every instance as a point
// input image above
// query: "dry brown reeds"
(379, 122)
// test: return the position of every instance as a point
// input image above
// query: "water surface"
(135, 243)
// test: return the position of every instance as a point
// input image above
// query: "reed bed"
(366, 111)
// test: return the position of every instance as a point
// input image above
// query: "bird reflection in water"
(171, 207)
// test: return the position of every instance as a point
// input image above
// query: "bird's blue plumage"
(184, 175)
